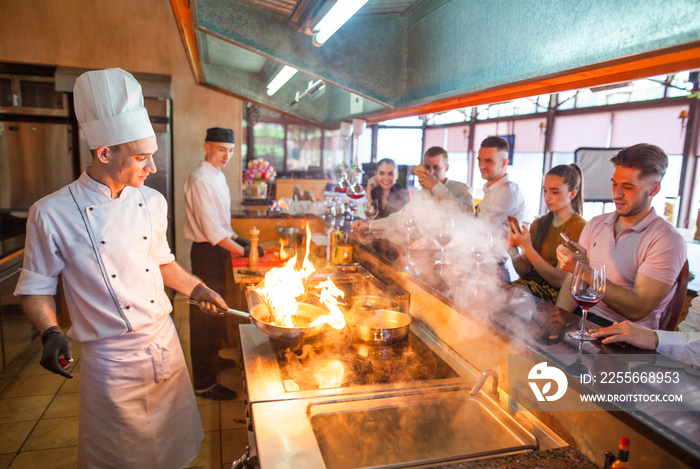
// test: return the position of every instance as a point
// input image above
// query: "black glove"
(246, 251)
(208, 300)
(242, 242)
(55, 344)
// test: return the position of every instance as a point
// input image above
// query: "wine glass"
(371, 211)
(445, 233)
(479, 250)
(410, 225)
(587, 288)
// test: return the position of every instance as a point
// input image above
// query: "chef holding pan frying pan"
(106, 234)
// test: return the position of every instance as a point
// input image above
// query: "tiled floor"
(39, 412)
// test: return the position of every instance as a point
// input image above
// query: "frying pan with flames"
(261, 317)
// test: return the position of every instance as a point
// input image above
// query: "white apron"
(137, 408)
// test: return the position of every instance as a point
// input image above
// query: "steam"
(475, 275)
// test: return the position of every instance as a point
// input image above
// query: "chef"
(208, 226)
(106, 234)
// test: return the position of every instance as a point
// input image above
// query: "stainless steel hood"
(414, 56)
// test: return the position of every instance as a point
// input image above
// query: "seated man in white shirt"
(438, 193)
(501, 196)
(682, 345)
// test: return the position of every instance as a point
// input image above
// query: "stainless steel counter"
(412, 421)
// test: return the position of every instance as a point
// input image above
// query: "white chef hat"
(109, 108)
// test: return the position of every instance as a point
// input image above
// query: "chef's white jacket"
(137, 407)
(208, 205)
(109, 252)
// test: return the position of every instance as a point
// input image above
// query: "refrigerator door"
(35, 160)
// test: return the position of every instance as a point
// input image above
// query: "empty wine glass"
(410, 225)
(479, 250)
(587, 288)
(371, 211)
(444, 235)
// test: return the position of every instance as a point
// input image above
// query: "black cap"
(216, 134)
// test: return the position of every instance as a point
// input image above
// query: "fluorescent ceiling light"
(280, 79)
(335, 18)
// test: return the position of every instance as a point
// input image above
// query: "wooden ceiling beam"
(185, 26)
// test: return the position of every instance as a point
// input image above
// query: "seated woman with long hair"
(536, 260)
(383, 188)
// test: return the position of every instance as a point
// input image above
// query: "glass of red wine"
(587, 288)
(444, 235)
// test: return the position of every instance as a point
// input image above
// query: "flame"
(330, 375)
(329, 294)
(283, 285)
(282, 204)
(283, 253)
(290, 385)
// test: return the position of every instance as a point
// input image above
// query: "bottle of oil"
(623, 455)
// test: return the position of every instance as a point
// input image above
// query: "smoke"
(475, 273)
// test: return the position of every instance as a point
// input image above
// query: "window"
(562, 158)
(404, 146)
(450, 117)
(303, 148)
(459, 166)
(669, 187)
(413, 121)
(332, 149)
(527, 172)
(269, 143)
(680, 85)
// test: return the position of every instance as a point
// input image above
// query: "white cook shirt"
(110, 257)
(501, 199)
(683, 345)
(208, 206)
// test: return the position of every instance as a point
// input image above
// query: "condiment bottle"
(623, 455)
(253, 256)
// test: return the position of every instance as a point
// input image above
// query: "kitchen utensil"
(250, 272)
(370, 302)
(292, 235)
(260, 317)
(381, 326)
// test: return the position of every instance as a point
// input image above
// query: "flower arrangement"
(259, 170)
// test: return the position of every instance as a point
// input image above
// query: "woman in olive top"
(536, 259)
(382, 187)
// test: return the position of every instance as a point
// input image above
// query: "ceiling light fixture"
(280, 79)
(334, 19)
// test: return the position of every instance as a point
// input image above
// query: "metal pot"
(261, 315)
(370, 302)
(292, 235)
(381, 326)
